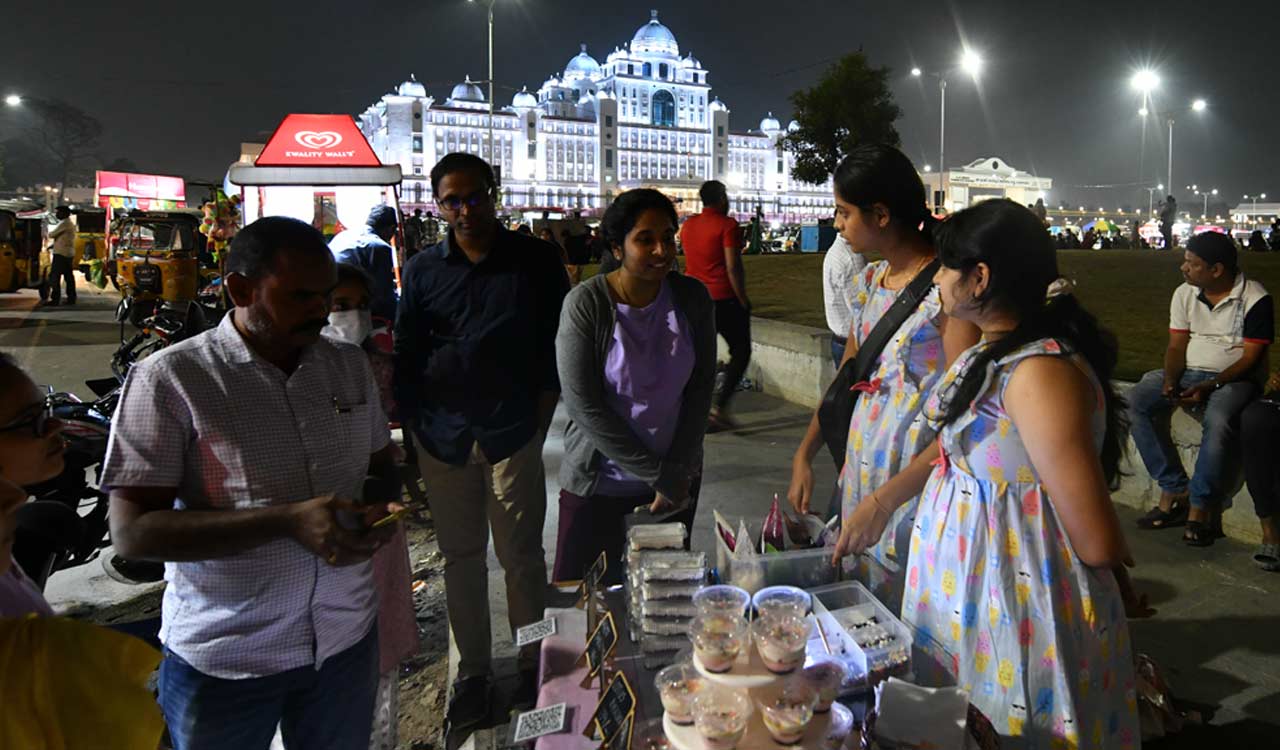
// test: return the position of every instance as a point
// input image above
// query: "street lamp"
(1254, 216)
(971, 63)
(1199, 105)
(1205, 194)
(492, 150)
(1151, 191)
(13, 100)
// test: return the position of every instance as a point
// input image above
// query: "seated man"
(1220, 325)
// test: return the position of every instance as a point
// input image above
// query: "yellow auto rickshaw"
(91, 235)
(157, 255)
(21, 240)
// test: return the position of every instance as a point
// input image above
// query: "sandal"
(1268, 557)
(1163, 519)
(1203, 533)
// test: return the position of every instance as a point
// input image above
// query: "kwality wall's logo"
(320, 144)
(314, 139)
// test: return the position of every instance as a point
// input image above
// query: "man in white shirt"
(839, 268)
(63, 255)
(238, 458)
(1220, 325)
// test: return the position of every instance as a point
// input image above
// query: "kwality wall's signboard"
(317, 141)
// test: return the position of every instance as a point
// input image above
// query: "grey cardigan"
(595, 430)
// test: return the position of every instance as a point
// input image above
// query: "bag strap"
(864, 362)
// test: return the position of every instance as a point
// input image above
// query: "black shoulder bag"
(836, 410)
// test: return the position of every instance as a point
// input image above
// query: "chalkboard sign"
(601, 645)
(615, 714)
(591, 581)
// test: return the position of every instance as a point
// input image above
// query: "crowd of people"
(256, 459)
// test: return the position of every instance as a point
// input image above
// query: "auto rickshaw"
(157, 255)
(21, 240)
(91, 235)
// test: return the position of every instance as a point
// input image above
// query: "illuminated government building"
(644, 117)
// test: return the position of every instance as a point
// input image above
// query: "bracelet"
(876, 500)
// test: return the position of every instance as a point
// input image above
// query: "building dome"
(691, 62)
(411, 87)
(654, 37)
(719, 106)
(524, 100)
(770, 124)
(467, 92)
(793, 126)
(582, 66)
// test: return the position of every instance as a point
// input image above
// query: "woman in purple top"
(636, 355)
(31, 449)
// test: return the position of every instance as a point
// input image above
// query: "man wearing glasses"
(476, 380)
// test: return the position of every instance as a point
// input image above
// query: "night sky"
(180, 85)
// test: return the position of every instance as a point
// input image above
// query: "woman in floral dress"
(1009, 582)
(881, 209)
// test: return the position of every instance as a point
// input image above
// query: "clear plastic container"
(786, 712)
(677, 686)
(804, 568)
(782, 600)
(781, 639)
(721, 598)
(859, 618)
(657, 536)
(718, 639)
(721, 716)
(827, 675)
(668, 608)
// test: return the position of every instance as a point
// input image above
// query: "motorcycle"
(66, 524)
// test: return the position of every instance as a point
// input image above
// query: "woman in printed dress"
(881, 209)
(1010, 583)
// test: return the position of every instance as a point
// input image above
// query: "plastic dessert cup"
(826, 675)
(780, 639)
(721, 599)
(721, 715)
(678, 685)
(780, 600)
(787, 712)
(649, 735)
(718, 639)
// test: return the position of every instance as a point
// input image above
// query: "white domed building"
(643, 116)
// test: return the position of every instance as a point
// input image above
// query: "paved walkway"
(1217, 632)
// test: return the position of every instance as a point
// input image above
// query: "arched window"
(648, 70)
(664, 109)
(662, 70)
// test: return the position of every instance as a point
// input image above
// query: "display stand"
(749, 674)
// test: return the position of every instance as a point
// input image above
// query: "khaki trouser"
(509, 497)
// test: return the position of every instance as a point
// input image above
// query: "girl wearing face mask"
(31, 450)
(1010, 580)
(636, 353)
(350, 322)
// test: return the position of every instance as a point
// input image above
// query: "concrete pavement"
(1216, 634)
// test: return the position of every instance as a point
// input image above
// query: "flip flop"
(1163, 519)
(1268, 557)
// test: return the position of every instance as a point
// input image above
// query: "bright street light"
(1199, 105)
(971, 63)
(1143, 112)
(13, 100)
(928, 167)
(916, 72)
(1145, 80)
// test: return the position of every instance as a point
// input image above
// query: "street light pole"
(942, 137)
(1169, 176)
(492, 150)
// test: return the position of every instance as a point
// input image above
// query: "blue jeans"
(329, 708)
(837, 350)
(1149, 413)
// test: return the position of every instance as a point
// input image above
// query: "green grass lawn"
(1128, 290)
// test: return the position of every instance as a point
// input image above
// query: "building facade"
(983, 179)
(644, 117)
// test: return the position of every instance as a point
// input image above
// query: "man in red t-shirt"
(712, 245)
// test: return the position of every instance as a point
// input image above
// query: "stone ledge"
(793, 362)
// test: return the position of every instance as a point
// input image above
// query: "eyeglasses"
(38, 422)
(455, 204)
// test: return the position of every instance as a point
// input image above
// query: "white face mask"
(351, 326)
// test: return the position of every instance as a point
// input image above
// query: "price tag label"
(591, 581)
(614, 718)
(535, 632)
(534, 724)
